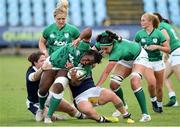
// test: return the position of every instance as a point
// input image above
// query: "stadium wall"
(29, 36)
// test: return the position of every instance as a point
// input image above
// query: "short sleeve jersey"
(69, 53)
(156, 37)
(174, 42)
(124, 49)
(59, 37)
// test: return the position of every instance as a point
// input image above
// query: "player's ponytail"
(61, 8)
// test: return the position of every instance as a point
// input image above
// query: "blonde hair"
(153, 18)
(61, 8)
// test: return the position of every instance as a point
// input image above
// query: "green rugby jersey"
(59, 37)
(69, 53)
(156, 37)
(174, 42)
(125, 49)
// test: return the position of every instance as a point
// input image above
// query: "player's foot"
(108, 119)
(58, 117)
(47, 120)
(39, 115)
(117, 113)
(111, 119)
(155, 107)
(128, 118)
(172, 103)
(145, 118)
(160, 110)
(82, 116)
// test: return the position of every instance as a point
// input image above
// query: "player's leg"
(159, 88)
(46, 81)
(168, 83)
(58, 87)
(120, 72)
(136, 77)
(66, 107)
(86, 108)
(107, 95)
(151, 81)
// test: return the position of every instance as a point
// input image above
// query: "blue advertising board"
(29, 36)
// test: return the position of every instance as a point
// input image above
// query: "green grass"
(13, 110)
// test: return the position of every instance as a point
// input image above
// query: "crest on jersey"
(143, 40)
(52, 36)
(66, 35)
(155, 40)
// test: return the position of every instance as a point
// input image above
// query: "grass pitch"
(13, 94)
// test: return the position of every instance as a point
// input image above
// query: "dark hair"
(34, 57)
(107, 37)
(96, 54)
(161, 18)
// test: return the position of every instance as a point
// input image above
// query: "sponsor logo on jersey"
(59, 43)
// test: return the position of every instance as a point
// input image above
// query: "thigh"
(85, 107)
(47, 80)
(149, 76)
(159, 77)
(176, 70)
(106, 96)
(168, 70)
(62, 73)
(121, 70)
(65, 106)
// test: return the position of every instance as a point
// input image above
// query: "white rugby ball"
(80, 73)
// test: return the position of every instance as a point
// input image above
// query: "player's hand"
(152, 47)
(76, 42)
(46, 66)
(69, 65)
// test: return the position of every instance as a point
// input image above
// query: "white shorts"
(91, 95)
(125, 63)
(174, 57)
(142, 58)
(156, 65)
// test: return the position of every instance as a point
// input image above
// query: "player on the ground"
(33, 76)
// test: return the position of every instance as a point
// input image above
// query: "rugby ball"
(80, 73)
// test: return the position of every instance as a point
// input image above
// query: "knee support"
(135, 74)
(58, 96)
(62, 80)
(116, 78)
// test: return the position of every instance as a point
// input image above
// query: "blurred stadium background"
(22, 21)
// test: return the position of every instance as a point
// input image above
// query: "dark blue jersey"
(32, 86)
(85, 85)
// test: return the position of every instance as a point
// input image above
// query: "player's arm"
(84, 34)
(35, 76)
(106, 72)
(165, 55)
(42, 46)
